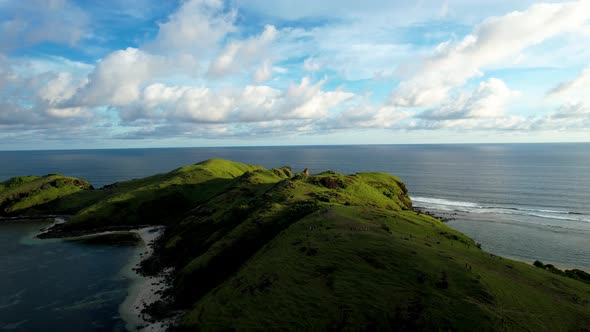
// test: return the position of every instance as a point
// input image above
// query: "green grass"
(159, 199)
(16, 181)
(341, 268)
(347, 252)
(256, 248)
(30, 195)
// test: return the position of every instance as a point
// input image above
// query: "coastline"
(143, 290)
(452, 218)
(57, 219)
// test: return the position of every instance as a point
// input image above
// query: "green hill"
(256, 248)
(159, 199)
(347, 252)
(30, 195)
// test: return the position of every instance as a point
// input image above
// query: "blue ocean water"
(526, 201)
(55, 285)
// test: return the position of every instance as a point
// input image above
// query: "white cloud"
(309, 101)
(182, 43)
(484, 108)
(574, 111)
(489, 100)
(203, 76)
(263, 73)
(65, 112)
(509, 123)
(241, 55)
(253, 103)
(496, 39)
(578, 88)
(118, 78)
(31, 93)
(60, 88)
(34, 21)
(194, 28)
(369, 116)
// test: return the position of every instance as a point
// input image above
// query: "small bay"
(57, 285)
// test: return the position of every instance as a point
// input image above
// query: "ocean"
(524, 201)
(55, 285)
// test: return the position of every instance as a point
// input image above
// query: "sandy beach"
(143, 290)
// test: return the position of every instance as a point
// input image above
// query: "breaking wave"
(470, 207)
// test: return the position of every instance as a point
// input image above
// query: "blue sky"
(146, 73)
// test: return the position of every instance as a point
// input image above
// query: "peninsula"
(246, 247)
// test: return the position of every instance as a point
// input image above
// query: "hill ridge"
(252, 248)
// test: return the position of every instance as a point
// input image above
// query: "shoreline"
(451, 217)
(57, 219)
(143, 290)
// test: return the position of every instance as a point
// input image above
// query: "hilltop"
(32, 195)
(253, 247)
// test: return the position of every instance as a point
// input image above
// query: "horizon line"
(287, 146)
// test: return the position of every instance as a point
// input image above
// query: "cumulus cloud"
(30, 99)
(118, 78)
(209, 73)
(61, 87)
(253, 103)
(489, 100)
(189, 34)
(129, 84)
(240, 55)
(496, 39)
(484, 108)
(194, 28)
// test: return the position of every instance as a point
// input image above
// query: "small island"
(242, 247)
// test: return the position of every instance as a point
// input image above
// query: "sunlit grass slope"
(159, 199)
(30, 195)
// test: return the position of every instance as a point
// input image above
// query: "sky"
(151, 73)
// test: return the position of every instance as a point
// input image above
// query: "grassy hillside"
(30, 195)
(264, 248)
(158, 199)
(347, 252)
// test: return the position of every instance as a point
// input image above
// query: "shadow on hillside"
(213, 249)
(134, 206)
